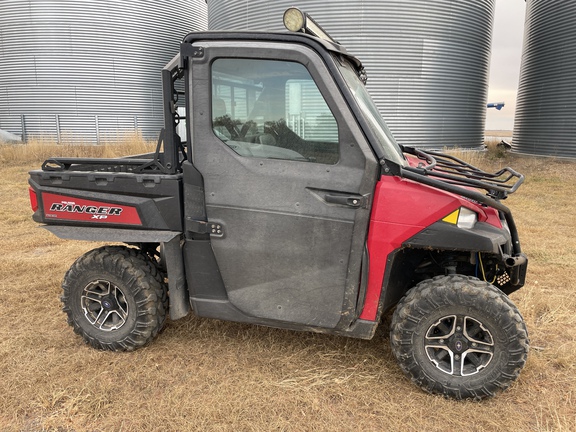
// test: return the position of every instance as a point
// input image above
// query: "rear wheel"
(459, 336)
(115, 298)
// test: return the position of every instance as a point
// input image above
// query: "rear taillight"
(33, 200)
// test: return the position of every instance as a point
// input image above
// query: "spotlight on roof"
(297, 21)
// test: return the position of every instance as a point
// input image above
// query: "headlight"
(463, 218)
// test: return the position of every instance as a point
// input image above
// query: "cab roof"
(316, 43)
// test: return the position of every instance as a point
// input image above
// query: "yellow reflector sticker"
(452, 218)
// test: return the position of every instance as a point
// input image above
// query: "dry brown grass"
(203, 374)
(39, 150)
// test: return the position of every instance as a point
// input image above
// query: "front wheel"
(115, 298)
(459, 337)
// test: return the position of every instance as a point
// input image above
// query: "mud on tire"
(459, 336)
(115, 298)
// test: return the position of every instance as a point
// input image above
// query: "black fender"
(443, 236)
(171, 251)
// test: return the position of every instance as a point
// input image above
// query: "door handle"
(347, 200)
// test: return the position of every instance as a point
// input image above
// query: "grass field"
(202, 374)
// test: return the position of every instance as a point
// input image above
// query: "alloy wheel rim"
(104, 305)
(459, 345)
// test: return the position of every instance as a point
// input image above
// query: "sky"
(507, 38)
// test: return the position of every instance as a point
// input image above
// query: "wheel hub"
(459, 345)
(109, 303)
(104, 305)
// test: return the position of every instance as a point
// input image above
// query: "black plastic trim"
(111, 234)
(177, 289)
(219, 308)
(445, 236)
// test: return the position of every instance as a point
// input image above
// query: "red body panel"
(62, 207)
(401, 209)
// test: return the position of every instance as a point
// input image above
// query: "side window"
(272, 109)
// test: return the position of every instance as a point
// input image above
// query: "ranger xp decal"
(77, 209)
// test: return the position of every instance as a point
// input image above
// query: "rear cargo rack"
(147, 163)
(88, 164)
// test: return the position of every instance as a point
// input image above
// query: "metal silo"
(88, 70)
(427, 60)
(545, 118)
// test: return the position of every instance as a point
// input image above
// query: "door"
(288, 179)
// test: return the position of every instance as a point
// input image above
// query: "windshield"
(385, 139)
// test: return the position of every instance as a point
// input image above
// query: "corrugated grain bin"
(427, 60)
(545, 118)
(88, 70)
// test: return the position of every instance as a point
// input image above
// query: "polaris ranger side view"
(289, 204)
